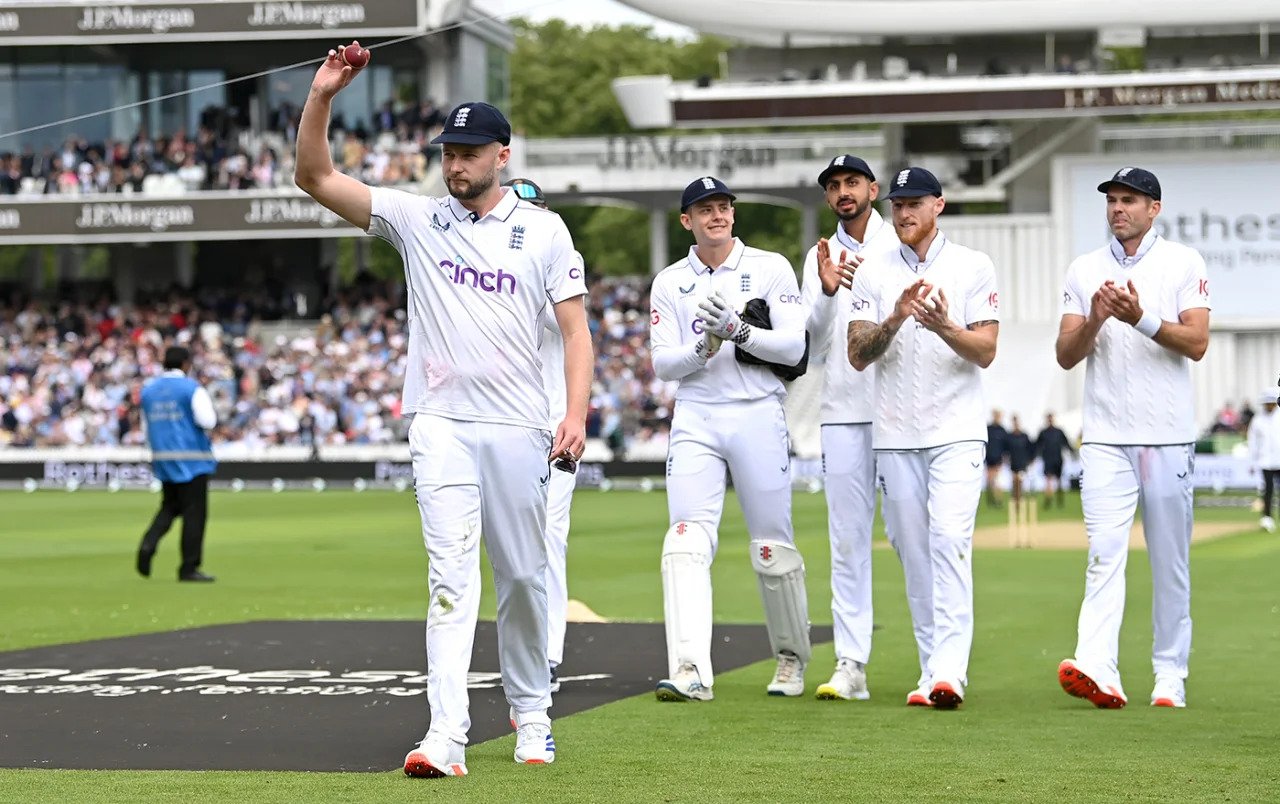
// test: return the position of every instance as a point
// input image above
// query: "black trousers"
(190, 503)
(1270, 477)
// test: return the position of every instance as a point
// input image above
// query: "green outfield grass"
(66, 564)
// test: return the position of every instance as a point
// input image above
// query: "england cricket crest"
(745, 285)
(517, 238)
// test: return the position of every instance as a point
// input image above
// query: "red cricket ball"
(355, 56)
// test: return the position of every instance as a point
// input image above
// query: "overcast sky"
(581, 12)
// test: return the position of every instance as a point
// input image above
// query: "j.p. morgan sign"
(60, 23)
(137, 219)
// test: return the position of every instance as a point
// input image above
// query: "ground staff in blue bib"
(178, 413)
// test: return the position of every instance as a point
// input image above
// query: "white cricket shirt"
(552, 353)
(477, 290)
(926, 394)
(1136, 392)
(848, 395)
(675, 330)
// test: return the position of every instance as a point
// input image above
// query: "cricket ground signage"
(76, 23)
(966, 98)
(144, 219)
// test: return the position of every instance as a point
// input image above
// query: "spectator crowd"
(393, 147)
(72, 374)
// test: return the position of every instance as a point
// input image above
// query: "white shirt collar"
(1117, 250)
(174, 373)
(847, 241)
(506, 205)
(730, 262)
(916, 264)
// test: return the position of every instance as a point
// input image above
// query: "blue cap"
(914, 182)
(474, 123)
(528, 190)
(845, 163)
(704, 187)
(1144, 181)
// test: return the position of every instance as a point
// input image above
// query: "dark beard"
(858, 209)
(475, 189)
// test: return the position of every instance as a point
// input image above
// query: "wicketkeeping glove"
(722, 320)
(709, 345)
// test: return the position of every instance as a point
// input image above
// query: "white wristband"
(1149, 324)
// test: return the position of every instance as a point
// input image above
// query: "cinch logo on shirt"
(487, 281)
(788, 298)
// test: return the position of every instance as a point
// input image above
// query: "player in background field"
(1264, 454)
(1050, 444)
(1021, 454)
(997, 451)
(930, 317)
(728, 414)
(1137, 310)
(561, 485)
(481, 267)
(848, 462)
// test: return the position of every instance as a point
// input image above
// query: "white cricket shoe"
(435, 757)
(848, 683)
(788, 680)
(1170, 692)
(920, 695)
(1268, 524)
(685, 685)
(534, 743)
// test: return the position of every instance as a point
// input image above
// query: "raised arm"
(314, 174)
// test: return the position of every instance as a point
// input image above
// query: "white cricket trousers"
(474, 478)
(1115, 480)
(559, 501)
(849, 475)
(750, 439)
(929, 499)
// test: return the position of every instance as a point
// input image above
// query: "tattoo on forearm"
(867, 341)
(981, 324)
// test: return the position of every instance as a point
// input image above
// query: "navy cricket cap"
(1144, 181)
(704, 187)
(527, 190)
(914, 182)
(474, 123)
(845, 163)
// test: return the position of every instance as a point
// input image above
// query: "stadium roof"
(772, 20)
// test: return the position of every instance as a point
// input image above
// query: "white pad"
(686, 595)
(780, 570)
